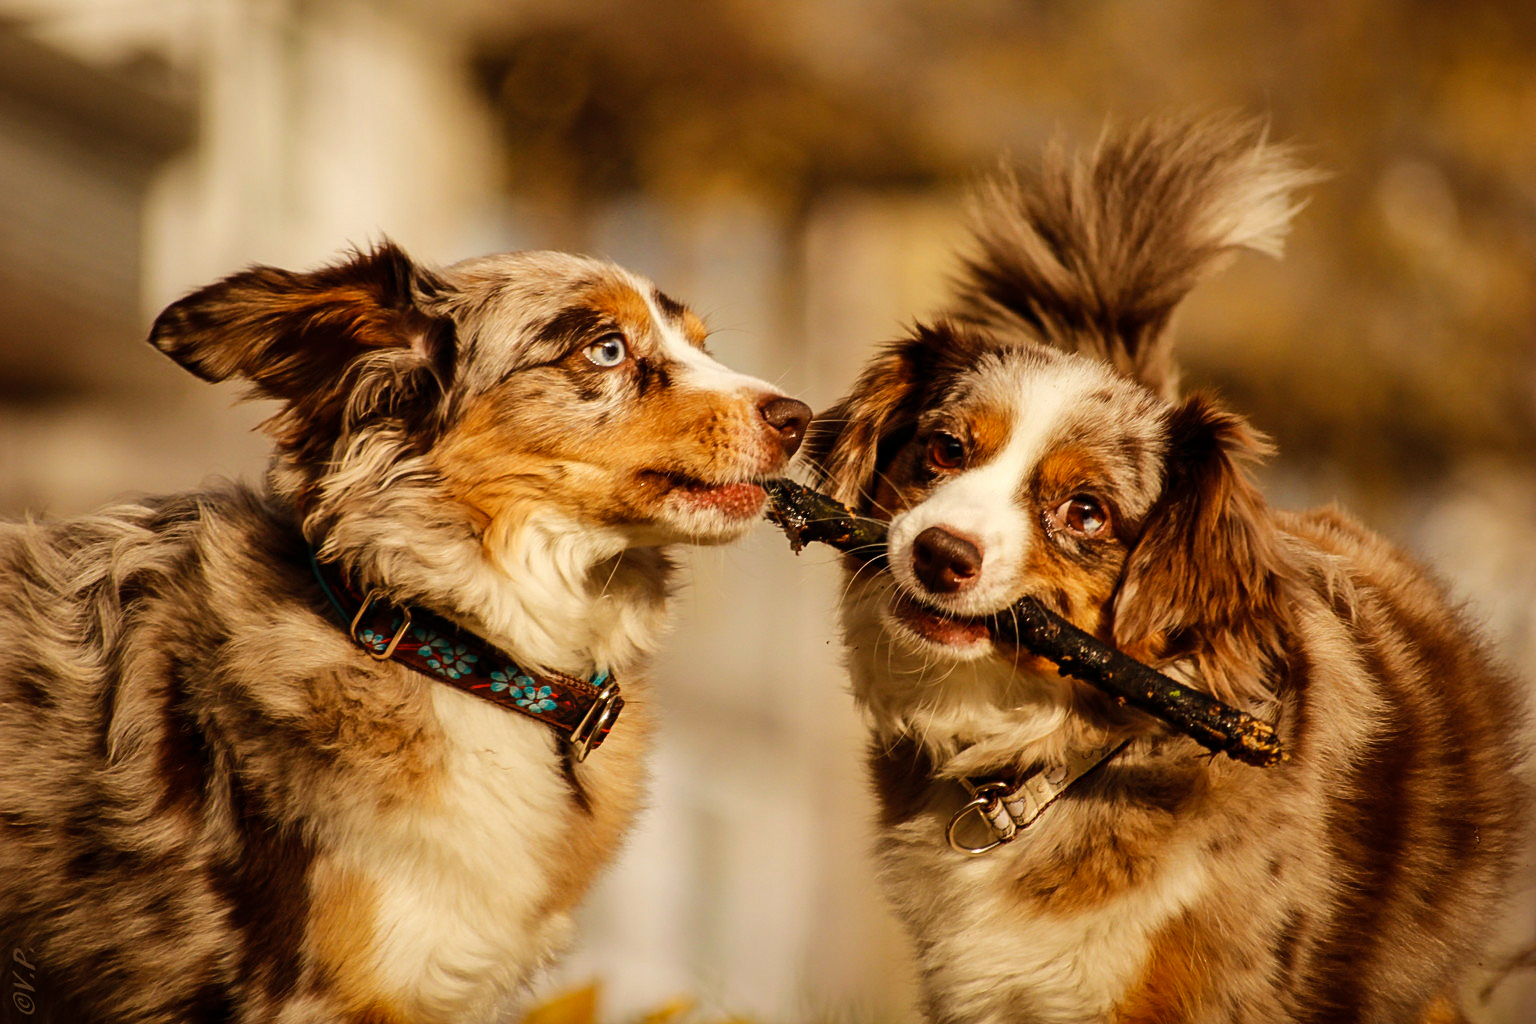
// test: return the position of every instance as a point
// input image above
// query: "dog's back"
(124, 840)
(1417, 731)
(1359, 880)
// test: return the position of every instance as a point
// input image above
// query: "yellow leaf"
(579, 1006)
(671, 1010)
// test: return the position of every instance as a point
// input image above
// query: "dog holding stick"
(349, 747)
(1056, 856)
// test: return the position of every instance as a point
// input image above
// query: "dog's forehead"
(1034, 406)
(1038, 391)
(522, 309)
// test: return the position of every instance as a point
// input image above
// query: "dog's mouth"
(938, 627)
(959, 637)
(738, 500)
(733, 501)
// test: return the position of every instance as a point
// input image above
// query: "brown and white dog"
(215, 804)
(1031, 442)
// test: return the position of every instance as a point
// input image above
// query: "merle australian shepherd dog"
(348, 747)
(1032, 441)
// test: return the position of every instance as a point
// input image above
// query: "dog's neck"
(971, 718)
(582, 710)
(561, 599)
(558, 597)
(566, 596)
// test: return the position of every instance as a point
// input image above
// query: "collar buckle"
(1007, 809)
(368, 647)
(987, 804)
(595, 722)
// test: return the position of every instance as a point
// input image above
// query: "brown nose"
(789, 418)
(945, 562)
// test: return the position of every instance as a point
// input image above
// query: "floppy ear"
(334, 344)
(848, 444)
(842, 445)
(1203, 578)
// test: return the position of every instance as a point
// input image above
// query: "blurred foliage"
(1398, 337)
(669, 98)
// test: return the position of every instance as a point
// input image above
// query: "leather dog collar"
(583, 711)
(1008, 808)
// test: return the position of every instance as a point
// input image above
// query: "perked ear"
(1203, 578)
(313, 339)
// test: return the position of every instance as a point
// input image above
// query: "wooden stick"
(806, 515)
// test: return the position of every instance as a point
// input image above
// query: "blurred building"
(795, 170)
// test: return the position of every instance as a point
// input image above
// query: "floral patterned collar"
(582, 711)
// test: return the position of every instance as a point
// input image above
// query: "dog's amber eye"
(945, 451)
(607, 351)
(1082, 515)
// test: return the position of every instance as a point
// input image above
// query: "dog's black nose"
(789, 418)
(945, 562)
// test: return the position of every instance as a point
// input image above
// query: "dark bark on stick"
(806, 515)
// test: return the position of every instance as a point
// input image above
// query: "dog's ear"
(1203, 575)
(346, 340)
(843, 443)
(850, 443)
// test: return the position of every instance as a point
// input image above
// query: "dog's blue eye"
(609, 350)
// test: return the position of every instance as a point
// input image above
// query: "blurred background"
(795, 170)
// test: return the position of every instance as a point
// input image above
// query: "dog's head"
(1012, 469)
(1031, 444)
(474, 399)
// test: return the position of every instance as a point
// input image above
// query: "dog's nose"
(789, 418)
(945, 562)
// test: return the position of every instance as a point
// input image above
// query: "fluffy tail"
(1092, 254)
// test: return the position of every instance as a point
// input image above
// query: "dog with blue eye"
(1058, 858)
(350, 745)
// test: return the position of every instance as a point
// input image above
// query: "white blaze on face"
(699, 369)
(982, 503)
(745, 447)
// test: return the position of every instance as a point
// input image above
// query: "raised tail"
(1092, 254)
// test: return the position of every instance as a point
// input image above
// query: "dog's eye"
(1082, 515)
(945, 451)
(607, 351)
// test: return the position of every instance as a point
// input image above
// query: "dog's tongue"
(736, 501)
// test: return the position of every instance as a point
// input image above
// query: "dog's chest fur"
(999, 945)
(472, 884)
